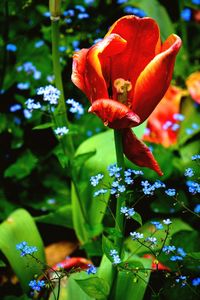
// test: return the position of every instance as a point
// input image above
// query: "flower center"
(122, 87)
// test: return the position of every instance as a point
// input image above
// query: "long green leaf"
(18, 227)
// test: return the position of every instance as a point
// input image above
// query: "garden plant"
(100, 150)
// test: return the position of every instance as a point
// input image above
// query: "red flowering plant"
(125, 76)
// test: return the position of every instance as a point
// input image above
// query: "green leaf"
(61, 217)
(137, 217)
(129, 283)
(3, 123)
(19, 227)
(107, 245)
(80, 160)
(156, 11)
(44, 126)
(194, 255)
(2, 264)
(62, 158)
(94, 286)
(22, 167)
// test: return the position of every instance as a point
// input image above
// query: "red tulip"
(125, 75)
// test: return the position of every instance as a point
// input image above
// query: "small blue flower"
(189, 172)
(25, 249)
(31, 105)
(39, 44)
(182, 280)
(195, 157)
(91, 269)
(167, 222)
(189, 131)
(50, 94)
(69, 12)
(23, 85)
(94, 180)
(181, 252)
(114, 171)
(128, 180)
(186, 14)
(37, 285)
(76, 107)
(81, 8)
(135, 11)
(121, 1)
(136, 235)
(197, 209)
(167, 249)
(100, 192)
(197, 2)
(196, 281)
(128, 212)
(115, 256)
(15, 107)
(47, 14)
(166, 125)
(152, 240)
(82, 16)
(178, 117)
(60, 131)
(11, 47)
(176, 257)
(175, 127)
(170, 192)
(157, 224)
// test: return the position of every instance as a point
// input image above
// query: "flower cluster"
(76, 107)
(91, 269)
(182, 279)
(25, 249)
(60, 131)
(31, 104)
(36, 285)
(29, 68)
(94, 180)
(170, 192)
(193, 187)
(179, 253)
(128, 212)
(189, 172)
(115, 256)
(148, 188)
(50, 94)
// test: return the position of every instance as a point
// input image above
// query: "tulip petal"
(78, 70)
(154, 80)
(90, 64)
(137, 152)
(114, 114)
(143, 43)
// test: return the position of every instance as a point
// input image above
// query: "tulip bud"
(54, 8)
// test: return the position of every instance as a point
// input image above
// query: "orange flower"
(164, 114)
(193, 85)
(125, 76)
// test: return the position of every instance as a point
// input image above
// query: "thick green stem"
(60, 112)
(119, 218)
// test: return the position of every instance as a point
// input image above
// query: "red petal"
(156, 266)
(137, 152)
(78, 70)
(143, 43)
(114, 114)
(154, 80)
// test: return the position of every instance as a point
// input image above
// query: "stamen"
(123, 87)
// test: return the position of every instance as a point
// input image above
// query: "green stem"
(60, 116)
(119, 218)
(183, 27)
(60, 113)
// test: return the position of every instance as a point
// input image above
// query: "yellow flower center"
(122, 87)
